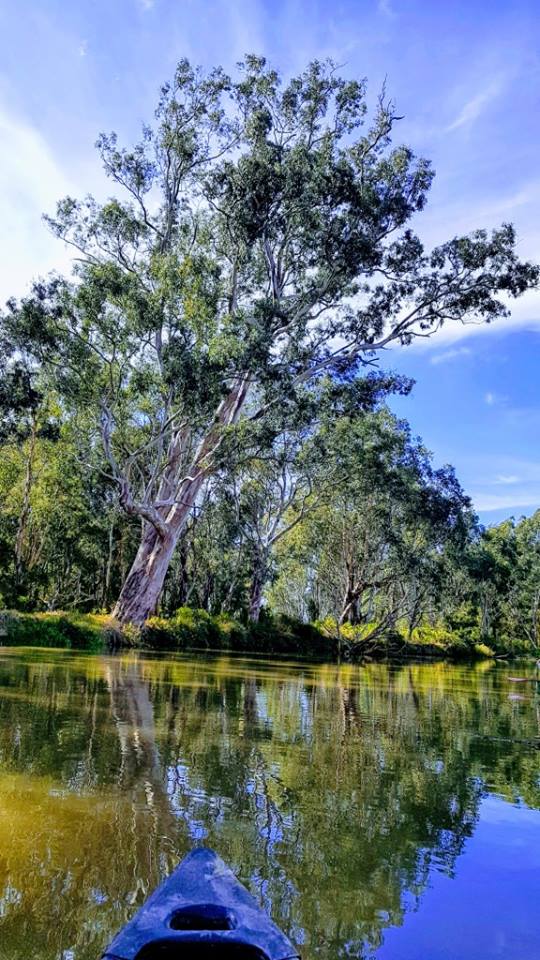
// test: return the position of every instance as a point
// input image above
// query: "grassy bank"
(192, 629)
(72, 631)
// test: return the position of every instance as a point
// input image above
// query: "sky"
(464, 76)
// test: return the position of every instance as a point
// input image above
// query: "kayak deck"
(201, 912)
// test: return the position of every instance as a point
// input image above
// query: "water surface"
(374, 811)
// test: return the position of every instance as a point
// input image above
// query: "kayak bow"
(201, 911)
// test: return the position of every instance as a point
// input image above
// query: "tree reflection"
(332, 791)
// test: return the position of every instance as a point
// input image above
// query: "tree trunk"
(182, 585)
(143, 585)
(255, 600)
(351, 606)
(258, 581)
(351, 600)
(109, 566)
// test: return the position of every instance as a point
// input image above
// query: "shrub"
(196, 629)
(188, 627)
(483, 650)
(70, 631)
(435, 634)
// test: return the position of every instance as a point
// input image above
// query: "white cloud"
(461, 215)
(83, 47)
(147, 4)
(524, 312)
(490, 399)
(525, 315)
(520, 479)
(450, 355)
(475, 106)
(504, 480)
(31, 181)
(492, 501)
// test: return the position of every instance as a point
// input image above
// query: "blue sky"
(465, 75)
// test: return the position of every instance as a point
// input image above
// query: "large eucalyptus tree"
(258, 241)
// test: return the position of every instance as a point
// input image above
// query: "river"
(375, 811)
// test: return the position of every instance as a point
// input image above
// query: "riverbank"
(193, 629)
(70, 631)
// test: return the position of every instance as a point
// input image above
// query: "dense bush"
(196, 628)
(70, 631)
(190, 629)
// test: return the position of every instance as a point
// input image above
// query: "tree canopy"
(257, 255)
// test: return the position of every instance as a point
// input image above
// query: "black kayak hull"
(201, 911)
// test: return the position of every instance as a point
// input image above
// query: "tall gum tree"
(257, 242)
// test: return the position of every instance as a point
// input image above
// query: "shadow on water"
(334, 792)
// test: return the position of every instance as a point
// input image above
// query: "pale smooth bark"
(177, 496)
(258, 581)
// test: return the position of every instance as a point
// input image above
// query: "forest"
(197, 441)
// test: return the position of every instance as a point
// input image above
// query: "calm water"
(375, 812)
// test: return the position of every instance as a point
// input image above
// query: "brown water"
(373, 811)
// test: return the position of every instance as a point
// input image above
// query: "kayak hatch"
(201, 912)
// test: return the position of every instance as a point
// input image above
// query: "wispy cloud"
(493, 399)
(473, 108)
(524, 417)
(31, 181)
(525, 316)
(511, 501)
(385, 7)
(505, 479)
(147, 4)
(83, 48)
(505, 484)
(448, 355)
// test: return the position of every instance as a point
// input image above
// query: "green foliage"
(369, 555)
(195, 629)
(189, 628)
(423, 641)
(63, 540)
(197, 392)
(436, 634)
(483, 650)
(257, 255)
(71, 631)
(454, 644)
(502, 587)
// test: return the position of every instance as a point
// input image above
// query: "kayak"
(201, 912)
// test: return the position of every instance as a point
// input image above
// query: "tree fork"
(143, 585)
